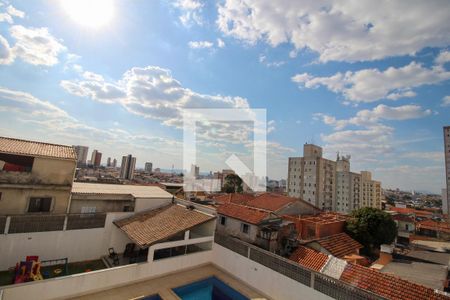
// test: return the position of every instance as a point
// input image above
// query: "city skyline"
(369, 91)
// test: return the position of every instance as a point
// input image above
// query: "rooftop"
(147, 228)
(33, 148)
(271, 201)
(137, 191)
(340, 244)
(430, 275)
(433, 225)
(244, 213)
(386, 285)
(236, 198)
(309, 258)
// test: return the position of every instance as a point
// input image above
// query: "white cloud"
(200, 44)
(9, 13)
(271, 126)
(275, 64)
(190, 12)
(150, 92)
(443, 57)
(369, 85)
(341, 30)
(15, 12)
(372, 117)
(446, 101)
(220, 43)
(35, 46)
(6, 55)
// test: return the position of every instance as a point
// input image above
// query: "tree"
(371, 227)
(233, 184)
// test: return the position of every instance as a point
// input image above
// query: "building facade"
(35, 177)
(96, 158)
(330, 185)
(447, 164)
(82, 152)
(127, 167)
(312, 178)
(148, 167)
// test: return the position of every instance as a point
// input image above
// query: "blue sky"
(363, 79)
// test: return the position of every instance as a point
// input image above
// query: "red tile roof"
(32, 148)
(233, 198)
(270, 201)
(403, 218)
(149, 227)
(385, 285)
(244, 213)
(406, 211)
(309, 258)
(340, 244)
(433, 225)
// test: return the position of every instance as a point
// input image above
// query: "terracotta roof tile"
(309, 258)
(385, 285)
(340, 244)
(434, 225)
(270, 201)
(244, 213)
(149, 227)
(403, 218)
(32, 148)
(233, 198)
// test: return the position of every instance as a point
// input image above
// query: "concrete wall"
(233, 227)
(15, 199)
(150, 203)
(77, 245)
(79, 284)
(53, 171)
(265, 280)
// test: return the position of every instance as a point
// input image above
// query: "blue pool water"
(210, 288)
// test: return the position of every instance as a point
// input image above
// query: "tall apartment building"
(148, 167)
(127, 167)
(447, 163)
(96, 158)
(312, 178)
(82, 152)
(329, 184)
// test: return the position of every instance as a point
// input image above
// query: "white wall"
(77, 245)
(265, 280)
(150, 203)
(71, 286)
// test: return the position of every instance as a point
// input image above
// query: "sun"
(89, 13)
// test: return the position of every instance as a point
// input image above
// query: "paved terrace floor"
(163, 285)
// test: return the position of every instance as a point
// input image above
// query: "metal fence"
(36, 223)
(50, 222)
(327, 285)
(85, 221)
(2, 224)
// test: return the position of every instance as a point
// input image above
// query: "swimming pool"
(210, 288)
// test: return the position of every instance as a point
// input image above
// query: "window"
(88, 209)
(39, 204)
(245, 228)
(128, 208)
(223, 220)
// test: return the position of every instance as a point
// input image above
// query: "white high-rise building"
(82, 152)
(331, 185)
(312, 178)
(127, 167)
(447, 165)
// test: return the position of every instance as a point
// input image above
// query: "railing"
(50, 222)
(327, 285)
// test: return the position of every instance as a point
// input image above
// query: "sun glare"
(90, 13)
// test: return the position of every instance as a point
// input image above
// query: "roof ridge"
(32, 141)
